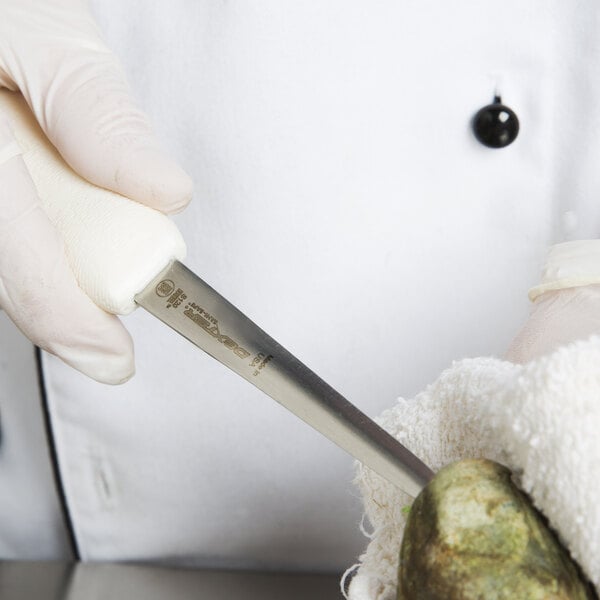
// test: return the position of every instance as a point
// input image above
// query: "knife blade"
(135, 240)
(182, 300)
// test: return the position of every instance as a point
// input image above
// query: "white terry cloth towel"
(540, 419)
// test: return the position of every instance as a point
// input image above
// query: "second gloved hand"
(52, 53)
(566, 305)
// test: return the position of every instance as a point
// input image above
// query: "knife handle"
(115, 246)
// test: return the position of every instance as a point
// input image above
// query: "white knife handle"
(115, 246)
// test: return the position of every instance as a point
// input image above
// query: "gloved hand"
(51, 51)
(566, 305)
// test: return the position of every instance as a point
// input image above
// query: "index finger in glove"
(37, 288)
(78, 92)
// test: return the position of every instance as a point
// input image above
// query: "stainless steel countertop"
(102, 581)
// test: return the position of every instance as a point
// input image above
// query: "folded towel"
(541, 419)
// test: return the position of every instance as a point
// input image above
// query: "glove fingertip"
(109, 369)
(114, 370)
(153, 179)
(110, 360)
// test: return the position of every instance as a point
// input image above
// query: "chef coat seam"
(53, 456)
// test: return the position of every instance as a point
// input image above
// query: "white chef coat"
(344, 204)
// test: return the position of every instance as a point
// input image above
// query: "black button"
(496, 125)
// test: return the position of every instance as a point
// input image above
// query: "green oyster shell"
(473, 535)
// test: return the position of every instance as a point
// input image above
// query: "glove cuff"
(569, 264)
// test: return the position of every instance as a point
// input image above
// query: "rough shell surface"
(472, 534)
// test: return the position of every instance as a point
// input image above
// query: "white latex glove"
(52, 52)
(566, 305)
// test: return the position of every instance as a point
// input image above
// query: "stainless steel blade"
(183, 301)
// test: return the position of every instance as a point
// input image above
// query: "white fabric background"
(343, 203)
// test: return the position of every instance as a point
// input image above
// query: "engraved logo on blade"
(207, 322)
(165, 288)
(259, 362)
